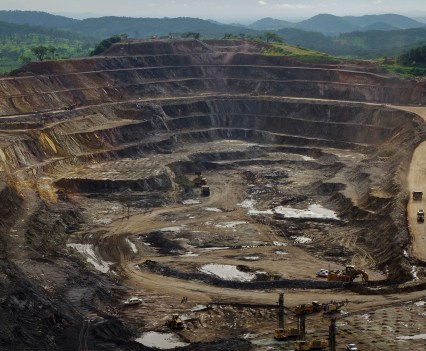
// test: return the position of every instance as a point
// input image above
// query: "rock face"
(112, 126)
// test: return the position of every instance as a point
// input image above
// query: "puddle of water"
(212, 209)
(227, 272)
(413, 337)
(229, 224)
(160, 340)
(414, 272)
(191, 202)
(313, 211)
(87, 250)
(132, 246)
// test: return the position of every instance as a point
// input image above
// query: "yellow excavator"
(348, 275)
(282, 333)
(175, 322)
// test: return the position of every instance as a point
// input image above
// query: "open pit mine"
(169, 193)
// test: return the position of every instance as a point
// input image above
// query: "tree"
(273, 37)
(40, 52)
(106, 43)
(25, 58)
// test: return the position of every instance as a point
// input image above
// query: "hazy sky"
(221, 10)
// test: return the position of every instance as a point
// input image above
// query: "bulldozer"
(316, 344)
(199, 180)
(315, 306)
(333, 307)
(175, 322)
(348, 275)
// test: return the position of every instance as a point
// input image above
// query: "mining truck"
(420, 215)
(417, 195)
(205, 190)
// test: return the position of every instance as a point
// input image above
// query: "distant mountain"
(269, 23)
(368, 44)
(144, 27)
(379, 26)
(36, 18)
(327, 24)
(396, 21)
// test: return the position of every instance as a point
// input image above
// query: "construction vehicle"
(132, 301)
(333, 307)
(417, 195)
(315, 306)
(420, 215)
(175, 322)
(199, 180)
(282, 333)
(348, 275)
(316, 344)
(205, 190)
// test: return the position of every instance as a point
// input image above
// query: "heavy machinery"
(282, 333)
(333, 306)
(205, 190)
(348, 275)
(315, 306)
(417, 195)
(420, 215)
(175, 322)
(199, 180)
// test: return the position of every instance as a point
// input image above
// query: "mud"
(307, 168)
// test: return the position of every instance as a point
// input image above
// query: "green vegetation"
(106, 43)
(18, 45)
(278, 49)
(411, 63)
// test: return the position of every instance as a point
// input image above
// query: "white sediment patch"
(307, 158)
(251, 258)
(176, 229)
(281, 253)
(104, 221)
(213, 248)
(413, 337)
(248, 204)
(212, 209)
(279, 243)
(420, 303)
(313, 212)
(132, 246)
(301, 239)
(414, 272)
(191, 202)
(227, 272)
(260, 212)
(87, 250)
(190, 254)
(229, 224)
(161, 341)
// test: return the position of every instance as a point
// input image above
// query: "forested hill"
(36, 18)
(16, 41)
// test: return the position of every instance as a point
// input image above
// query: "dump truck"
(420, 215)
(417, 195)
(205, 190)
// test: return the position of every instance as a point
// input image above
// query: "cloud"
(261, 2)
(377, 2)
(292, 6)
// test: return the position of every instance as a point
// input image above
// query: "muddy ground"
(310, 166)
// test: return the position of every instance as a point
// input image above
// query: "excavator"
(282, 333)
(316, 344)
(315, 306)
(175, 322)
(348, 275)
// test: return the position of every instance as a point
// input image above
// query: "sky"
(220, 10)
